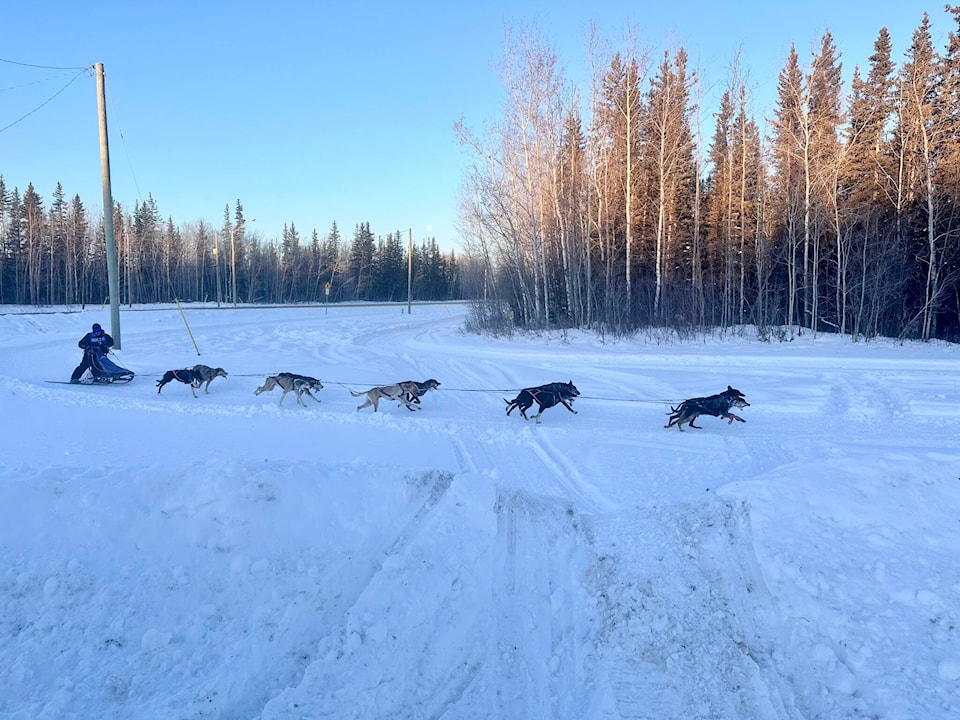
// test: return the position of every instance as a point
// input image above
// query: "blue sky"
(315, 112)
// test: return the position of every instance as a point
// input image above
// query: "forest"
(838, 211)
(56, 255)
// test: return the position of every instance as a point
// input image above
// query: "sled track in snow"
(542, 669)
(670, 614)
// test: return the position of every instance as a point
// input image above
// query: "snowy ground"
(225, 557)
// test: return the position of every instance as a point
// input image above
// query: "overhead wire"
(44, 67)
(82, 70)
(123, 141)
(45, 102)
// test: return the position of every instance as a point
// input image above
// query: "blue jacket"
(92, 341)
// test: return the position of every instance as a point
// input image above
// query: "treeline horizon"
(56, 255)
(603, 207)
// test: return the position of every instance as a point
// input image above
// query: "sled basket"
(104, 370)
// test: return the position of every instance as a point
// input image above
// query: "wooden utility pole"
(113, 280)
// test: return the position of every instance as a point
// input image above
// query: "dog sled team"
(408, 393)
(96, 346)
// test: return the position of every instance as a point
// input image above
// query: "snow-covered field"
(225, 557)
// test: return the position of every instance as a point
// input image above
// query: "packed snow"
(226, 556)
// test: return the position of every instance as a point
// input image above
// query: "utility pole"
(111, 240)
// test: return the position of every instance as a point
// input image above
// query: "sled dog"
(187, 376)
(299, 385)
(208, 374)
(546, 396)
(715, 405)
(389, 392)
(413, 390)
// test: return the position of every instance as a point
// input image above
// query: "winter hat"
(96, 327)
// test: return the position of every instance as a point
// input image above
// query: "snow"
(229, 557)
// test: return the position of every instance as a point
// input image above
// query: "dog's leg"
(192, 391)
(368, 403)
(568, 407)
(731, 417)
(268, 385)
(403, 401)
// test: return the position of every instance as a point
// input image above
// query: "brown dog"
(414, 390)
(208, 374)
(299, 385)
(390, 392)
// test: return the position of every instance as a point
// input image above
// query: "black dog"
(715, 405)
(188, 376)
(546, 396)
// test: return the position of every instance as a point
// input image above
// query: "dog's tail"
(359, 394)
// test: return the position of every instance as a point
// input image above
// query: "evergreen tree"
(360, 265)
(920, 135)
(331, 255)
(290, 264)
(58, 275)
(790, 140)
(391, 268)
(35, 257)
(869, 190)
(668, 168)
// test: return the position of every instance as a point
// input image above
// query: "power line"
(123, 141)
(31, 83)
(43, 67)
(23, 117)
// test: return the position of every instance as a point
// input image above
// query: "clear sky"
(315, 112)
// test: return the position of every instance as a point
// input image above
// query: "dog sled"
(104, 371)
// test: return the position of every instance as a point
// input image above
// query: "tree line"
(840, 215)
(56, 255)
